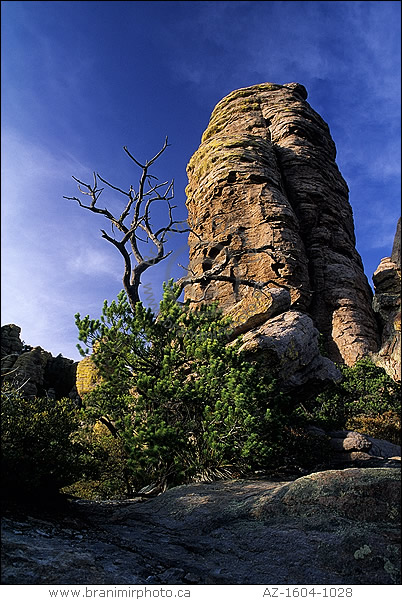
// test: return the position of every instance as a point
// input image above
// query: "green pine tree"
(185, 403)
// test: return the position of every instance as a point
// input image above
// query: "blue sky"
(82, 79)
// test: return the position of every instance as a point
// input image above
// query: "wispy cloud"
(48, 257)
(55, 262)
(88, 260)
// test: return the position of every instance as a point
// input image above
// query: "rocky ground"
(332, 527)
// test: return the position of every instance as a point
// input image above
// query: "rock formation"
(264, 186)
(87, 377)
(11, 343)
(387, 305)
(38, 371)
(351, 448)
(288, 346)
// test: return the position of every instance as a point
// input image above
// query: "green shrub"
(38, 454)
(304, 450)
(185, 403)
(364, 394)
(103, 460)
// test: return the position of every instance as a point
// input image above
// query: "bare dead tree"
(135, 222)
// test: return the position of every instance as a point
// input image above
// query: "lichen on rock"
(264, 181)
(88, 376)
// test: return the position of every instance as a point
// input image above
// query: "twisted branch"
(138, 209)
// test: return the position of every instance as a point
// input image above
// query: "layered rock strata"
(264, 187)
(387, 305)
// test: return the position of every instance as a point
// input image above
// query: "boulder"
(288, 346)
(352, 441)
(254, 310)
(350, 448)
(370, 495)
(383, 448)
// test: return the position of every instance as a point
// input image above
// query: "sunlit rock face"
(88, 376)
(387, 305)
(265, 180)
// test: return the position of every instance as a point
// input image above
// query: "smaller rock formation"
(30, 368)
(60, 374)
(11, 348)
(353, 449)
(387, 306)
(10, 340)
(35, 369)
(87, 377)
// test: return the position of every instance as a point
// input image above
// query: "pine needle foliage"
(186, 404)
(365, 393)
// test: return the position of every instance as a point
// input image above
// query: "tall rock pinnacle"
(264, 180)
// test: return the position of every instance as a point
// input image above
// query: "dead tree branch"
(216, 272)
(135, 217)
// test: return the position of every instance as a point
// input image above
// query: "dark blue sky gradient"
(82, 79)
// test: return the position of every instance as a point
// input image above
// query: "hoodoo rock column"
(265, 185)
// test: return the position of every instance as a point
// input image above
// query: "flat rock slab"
(228, 532)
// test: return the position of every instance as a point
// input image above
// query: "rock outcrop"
(30, 368)
(338, 527)
(354, 449)
(350, 493)
(288, 346)
(387, 305)
(11, 343)
(87, 377)
(264, 186)
(36, 370)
